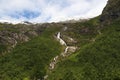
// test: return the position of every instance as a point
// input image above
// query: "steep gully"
(68, 50)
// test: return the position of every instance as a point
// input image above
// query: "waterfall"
(56, 59)
(66, 49)
(62, 42)
(58, 35)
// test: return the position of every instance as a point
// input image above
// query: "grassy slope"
(9, 29)
(99, 60)
(77, 31)
(2, 48)
(29, 60)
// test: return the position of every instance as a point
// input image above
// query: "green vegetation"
(97, 39)
(7, 27)
(29, 60)
(111, 11)
(99, 60)
(2, 48)
(82, 32)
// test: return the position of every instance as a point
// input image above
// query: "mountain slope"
(98, 60)
(27, 56)
(111, 11)
(29, 60)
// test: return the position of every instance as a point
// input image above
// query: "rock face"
(111, 11)
(10, 34)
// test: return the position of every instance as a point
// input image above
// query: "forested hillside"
(28, 50)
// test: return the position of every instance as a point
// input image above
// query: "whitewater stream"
(63, 54)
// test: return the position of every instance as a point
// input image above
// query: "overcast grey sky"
(49, 10)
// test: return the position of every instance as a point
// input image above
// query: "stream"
(63, 54)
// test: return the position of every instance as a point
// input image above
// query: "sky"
(49, 10)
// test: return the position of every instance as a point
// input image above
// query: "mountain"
(90, 50)
(111, 11)
(99, 58)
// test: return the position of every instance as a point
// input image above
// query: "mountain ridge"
(111, 11)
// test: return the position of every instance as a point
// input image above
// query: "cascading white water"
(62, 42)
(55, 60)
(58, 35)
(66, 49)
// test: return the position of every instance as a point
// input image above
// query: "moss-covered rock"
(111, 11)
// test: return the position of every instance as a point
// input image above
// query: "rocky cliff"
(11, 34)
(111, 11)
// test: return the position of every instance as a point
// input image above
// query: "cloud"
(49, 10)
